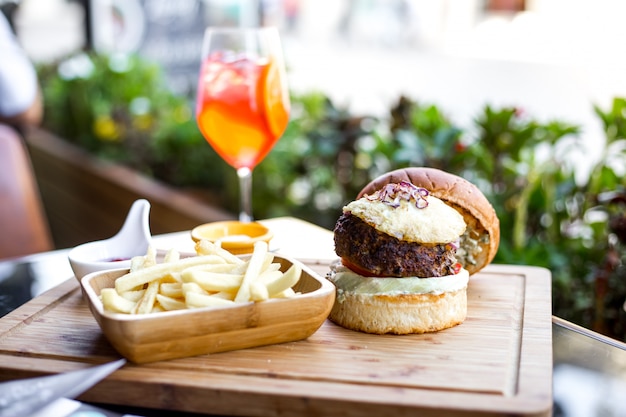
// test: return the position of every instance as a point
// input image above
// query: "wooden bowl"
(182, 333)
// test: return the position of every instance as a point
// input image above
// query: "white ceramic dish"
(133, 239)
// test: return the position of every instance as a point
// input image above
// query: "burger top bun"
(480, 242)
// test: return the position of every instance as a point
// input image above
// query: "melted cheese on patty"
(436, 223)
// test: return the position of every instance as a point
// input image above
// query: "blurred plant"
(550, 214)
(522, 166)
(424, 136)
(604, 199)
(119, 108)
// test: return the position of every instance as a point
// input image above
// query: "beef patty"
(383, 255)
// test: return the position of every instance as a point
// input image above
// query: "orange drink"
(242, 108)
(242, 103)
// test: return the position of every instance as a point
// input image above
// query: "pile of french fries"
(213, 278)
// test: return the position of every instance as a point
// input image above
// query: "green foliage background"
(117, 107)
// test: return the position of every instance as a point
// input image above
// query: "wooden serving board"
(499, 362)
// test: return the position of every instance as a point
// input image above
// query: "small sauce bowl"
(236, 237)
(133, 239)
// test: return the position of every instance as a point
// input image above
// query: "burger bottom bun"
(399, 313)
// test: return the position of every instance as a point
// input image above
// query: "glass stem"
(245, 194)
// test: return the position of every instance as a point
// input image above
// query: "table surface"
(24, 278)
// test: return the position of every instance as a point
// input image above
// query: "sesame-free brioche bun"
(479, 244)
(401, 314)
(362, 308)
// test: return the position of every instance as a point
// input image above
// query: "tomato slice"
(357, 269)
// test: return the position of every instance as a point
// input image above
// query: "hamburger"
(407, 246)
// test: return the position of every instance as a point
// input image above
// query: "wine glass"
(242, 104)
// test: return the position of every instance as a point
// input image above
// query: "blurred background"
(553, 58)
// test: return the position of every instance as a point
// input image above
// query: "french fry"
(145, 305)
(286, 280)
(288, 293)
(114, 302)
(136, 263)
(226, 295)
(196, 300)
(143, 276)
(255, 266)
(258, 291)
(150, 258)
(171, 256)
(170, 303)
(215, 268)
(205, 247)
(214, 281)
(188, 287)
(273, 267)
(171, 289)
(268, 263)
(172, 278)
(214, 278)
(133, 295)
(213, 262)
(141, 262)
(269, 276)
